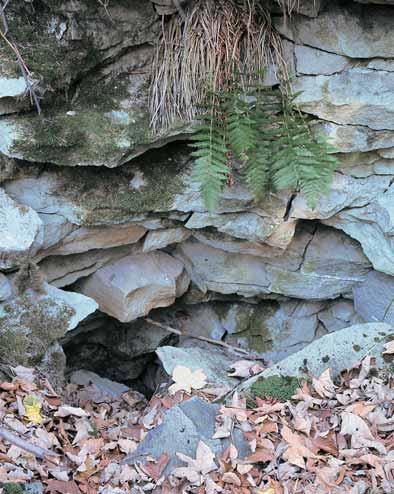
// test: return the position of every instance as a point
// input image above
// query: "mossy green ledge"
(83, 137)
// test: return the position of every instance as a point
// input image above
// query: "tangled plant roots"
(216, 40)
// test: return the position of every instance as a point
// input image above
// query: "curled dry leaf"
(245, 368)
(389, 348)
(186, 380)
(196, 469)
(359, 432)
(231, 478)
(324, 385)
(66, 411)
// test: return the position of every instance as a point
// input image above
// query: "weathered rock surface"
(350, 30)
(274, 329)
(373, 227)
(183, 427)
(107, 207)
(134, 285)
(315, 267)
(311, 61)
(5, 288)
(162, 238)
(357, 96)
(19, 227)
(337, 351)
(12, 91)
(374, 298)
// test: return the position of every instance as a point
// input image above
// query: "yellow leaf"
(270, 490)
(32, 409)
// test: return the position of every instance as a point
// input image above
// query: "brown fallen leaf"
(196, 469)
(61, 487)
(297, 451)
(324, 385)
(261, 455)
(66, 411)
(326, 444)
(155, 469)
(359, 432)
(231, 478)
(360, 408)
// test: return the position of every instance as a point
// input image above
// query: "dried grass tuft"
(217, 40)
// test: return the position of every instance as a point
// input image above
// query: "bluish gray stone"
(183, 427)
(374, 298)
(105, 386)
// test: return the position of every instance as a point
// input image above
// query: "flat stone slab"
(183, 427)
(214, 362)
(338, 351)
(105, 386)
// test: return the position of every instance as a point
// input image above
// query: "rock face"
(104, 212)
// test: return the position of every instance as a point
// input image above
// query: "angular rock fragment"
(134, 285)
(183, 427)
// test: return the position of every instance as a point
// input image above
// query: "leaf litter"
(329, 438)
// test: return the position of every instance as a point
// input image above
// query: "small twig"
(202, 338)
(37, 451)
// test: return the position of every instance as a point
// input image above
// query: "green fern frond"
(210, 165)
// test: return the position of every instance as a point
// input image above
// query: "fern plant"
(271, 140)
(211, 162)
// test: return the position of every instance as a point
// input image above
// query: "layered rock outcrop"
(105, 209)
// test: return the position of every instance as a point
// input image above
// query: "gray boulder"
(32, 322)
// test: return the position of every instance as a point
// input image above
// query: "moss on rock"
(29, 326)
(281, 388)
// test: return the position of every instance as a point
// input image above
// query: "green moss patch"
(280, 388)
(12, 488)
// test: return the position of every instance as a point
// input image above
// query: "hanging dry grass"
(217, 40)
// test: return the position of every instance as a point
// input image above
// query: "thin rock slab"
(211, 359)
(337, 351)
(107, 387)
(183, 427)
